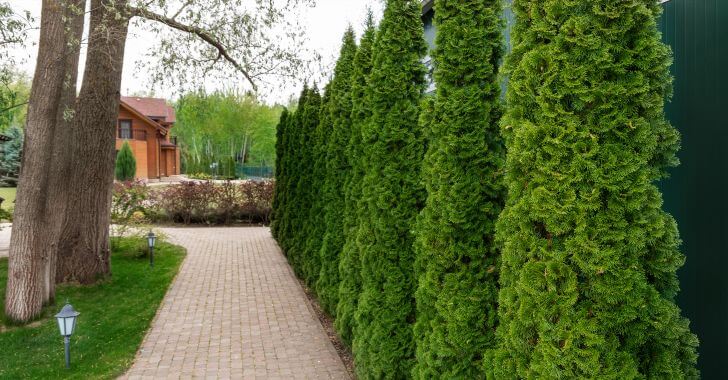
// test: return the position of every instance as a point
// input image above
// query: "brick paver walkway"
(235, 311)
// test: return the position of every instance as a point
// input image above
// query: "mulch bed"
(328, 323)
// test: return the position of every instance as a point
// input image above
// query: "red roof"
(153, 108)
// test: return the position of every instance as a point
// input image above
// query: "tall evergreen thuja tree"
(315, 226)
(349, 263)
(286, 187)
(281, 172)
(383, 344)
(589, 258)
(295, 153)
(306, 152)
(338, 169)
(125, 169)
(456, 253)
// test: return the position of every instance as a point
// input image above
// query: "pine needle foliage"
(589, 257)
(456, 253)
(338, 169)
(383, 345)
(125, 169)
(349, 263)
(315, 226)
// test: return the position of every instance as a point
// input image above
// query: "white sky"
(325, 24)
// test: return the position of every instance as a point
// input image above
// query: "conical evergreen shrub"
(315, 226)
(125, 169)
(456, 254)
(589, 257)
(337, 172)
(281, 172)
(307, 149)
(349, 263)
(383, 345)
(286, 188)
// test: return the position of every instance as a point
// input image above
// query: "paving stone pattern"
(235, 311)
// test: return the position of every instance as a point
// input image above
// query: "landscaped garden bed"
(193, 202)
(115, 315)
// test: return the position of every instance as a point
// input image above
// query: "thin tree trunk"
(84, 254)
(29, 261)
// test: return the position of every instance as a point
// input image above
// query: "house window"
(125, 129)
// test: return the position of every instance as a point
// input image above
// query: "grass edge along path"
(115, 316)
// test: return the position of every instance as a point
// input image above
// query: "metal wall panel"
(696, 194)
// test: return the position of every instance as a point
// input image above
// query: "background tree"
(125, 163)
(589, 257)
(222, 127)
(383, 343)
(349, 263)
(12, 151)
(456, 253)
(253, 40)
(337, 170)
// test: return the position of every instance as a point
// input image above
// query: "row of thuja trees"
(454, 236)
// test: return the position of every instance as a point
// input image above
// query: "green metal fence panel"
(697, 31)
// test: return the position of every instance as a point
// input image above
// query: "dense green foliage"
(14, 93)
(115, 316)
(10, 155)
(589, 258)
(471, 245)
(392, 192)
(349, 263)
(125, 169)
(456, 254)
(280, 171)
(225, 131)
(338, 169)
(314, 224)
(300, 179)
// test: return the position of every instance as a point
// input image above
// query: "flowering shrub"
(193, 202)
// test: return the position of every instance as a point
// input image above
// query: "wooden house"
(145, 123)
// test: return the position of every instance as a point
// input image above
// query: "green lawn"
(114, 318)
(9, 194)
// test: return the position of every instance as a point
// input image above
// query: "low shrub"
(193, 202)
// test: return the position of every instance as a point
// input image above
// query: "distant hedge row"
(454, 236)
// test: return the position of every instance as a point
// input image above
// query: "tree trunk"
(84, 250)
(30, 259)
(60, 165)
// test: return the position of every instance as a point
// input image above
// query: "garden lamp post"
(151, 239)
(66, 323)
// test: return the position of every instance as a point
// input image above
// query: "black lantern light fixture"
(66, 324)
(151, 240)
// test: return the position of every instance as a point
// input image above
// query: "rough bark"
(29, 260)
(60, 165)
(84, 250)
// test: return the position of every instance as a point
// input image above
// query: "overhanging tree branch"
(199, 32)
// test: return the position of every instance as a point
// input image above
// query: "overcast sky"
(325, 24)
